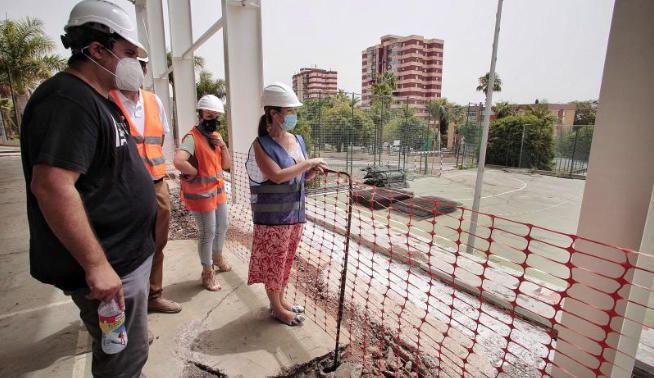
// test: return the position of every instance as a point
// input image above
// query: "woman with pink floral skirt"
(277, 166)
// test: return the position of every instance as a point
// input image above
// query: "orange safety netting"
(524, 301)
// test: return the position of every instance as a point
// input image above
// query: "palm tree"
(504, 109)
(438, 109)
(25, 59)
(457, 114)
(383, 88)
(483, 83)
(541, 111)
(207, 85)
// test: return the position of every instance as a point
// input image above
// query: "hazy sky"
(549, 49)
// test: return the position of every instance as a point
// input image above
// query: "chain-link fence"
(370, 135)
(468, 138)
(572, 149)
(356, 134)
(562, 150)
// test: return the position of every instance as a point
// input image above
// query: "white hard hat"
(109, 15)
(212, 103)
(280, 94)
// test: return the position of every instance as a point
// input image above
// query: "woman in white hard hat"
(201, 158)
(278, 167)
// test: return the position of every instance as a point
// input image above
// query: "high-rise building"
(417, 64)
(314, 82)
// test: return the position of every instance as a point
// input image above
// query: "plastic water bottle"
(112, 325)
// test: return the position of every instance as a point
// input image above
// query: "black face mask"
(210, 125)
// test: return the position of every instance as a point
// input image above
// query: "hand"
(105, 284)
(320, 167)
(217, 140)
(317, 162)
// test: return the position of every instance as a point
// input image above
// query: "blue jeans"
(212, 227)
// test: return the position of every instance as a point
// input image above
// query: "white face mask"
(129, 74)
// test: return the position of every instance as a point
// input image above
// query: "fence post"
(319, 126)
(380, 133)
(341, 300)
(574, 148)
(522, 143)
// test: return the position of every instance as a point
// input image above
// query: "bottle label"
(114, 335)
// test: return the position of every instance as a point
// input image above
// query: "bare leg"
(277, 307)
(209, 279)
(285, 304)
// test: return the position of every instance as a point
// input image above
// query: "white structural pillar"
(617, 204)
(244, 74)
(181, 39)
(150, 20)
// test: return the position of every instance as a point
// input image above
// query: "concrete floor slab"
(228, 331)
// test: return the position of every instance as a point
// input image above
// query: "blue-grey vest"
(278, 204)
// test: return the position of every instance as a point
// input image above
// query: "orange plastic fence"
(526, 301)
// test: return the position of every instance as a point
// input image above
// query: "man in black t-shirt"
(90, 201)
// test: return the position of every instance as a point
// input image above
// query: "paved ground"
(547, 201)
(229, 331)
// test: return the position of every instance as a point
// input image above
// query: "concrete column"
(244, 75)
(617, 198)
(149, 16)
(181, 38)
(144, 36)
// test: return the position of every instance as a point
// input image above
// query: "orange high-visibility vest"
(149, 144)
(206, 190)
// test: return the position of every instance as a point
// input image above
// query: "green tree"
(483, 83)
(457, 114)
(312, 112)
(504, 109)
(383, 88)
(438, 109)
(541, 111)
(25, 60)
(585, 113)
(410, 130)
(341, 123)
(303, 128)
(208, 85)
(575, 143)
(505, 141)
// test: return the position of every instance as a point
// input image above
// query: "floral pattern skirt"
(273, 251)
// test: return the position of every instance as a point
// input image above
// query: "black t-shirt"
(67, 124)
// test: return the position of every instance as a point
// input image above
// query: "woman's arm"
(217, 140)
(277, 175)
(180, 161)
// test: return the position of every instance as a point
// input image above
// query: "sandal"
(222, 265)
(297, 319)
(209, 281)
(298, 309)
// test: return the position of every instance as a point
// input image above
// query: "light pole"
(522, 144)
(484, 137)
